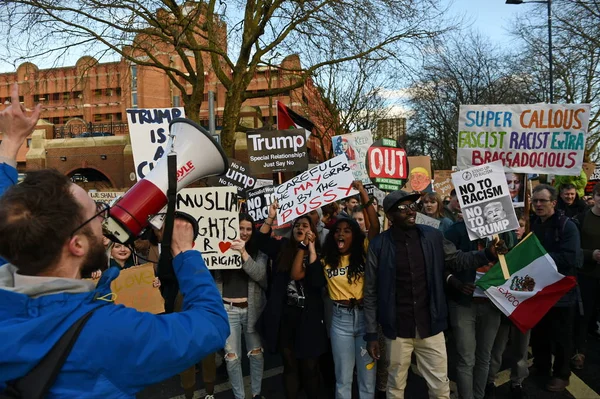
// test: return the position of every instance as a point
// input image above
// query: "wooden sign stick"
(502, 260)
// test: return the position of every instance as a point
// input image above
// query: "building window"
(118, 92)
(98, 92)
(98, 117)
(134, 77)
(176, 101)
(55, 96)
(28, 143)
(134, 103)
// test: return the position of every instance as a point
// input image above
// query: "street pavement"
(585, 384)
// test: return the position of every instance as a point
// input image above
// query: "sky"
(492, 18)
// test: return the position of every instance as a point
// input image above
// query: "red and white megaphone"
(198, 156)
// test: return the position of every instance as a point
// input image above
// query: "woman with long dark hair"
(292, 322)
(341, 267)
(244, 299)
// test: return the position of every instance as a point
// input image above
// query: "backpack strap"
(37, 383)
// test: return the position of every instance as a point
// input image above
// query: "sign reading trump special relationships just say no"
(540, 138)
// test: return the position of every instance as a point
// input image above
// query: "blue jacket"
(120, 350)
(8, 177)
(380, 279)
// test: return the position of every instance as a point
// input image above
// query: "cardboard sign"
(387, 165)
(263, 183)
(427, 220)
(216, 209)
(258, 202)
(355, 147)
(516, 188)
(419, 176)
(442, 182)
(327, 182)
(539, 138)
(277, 151)
(485, 200)
(238, 175)
(134, 289)
(105, 196)
(149, 131)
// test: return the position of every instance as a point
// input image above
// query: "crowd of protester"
(358, 289)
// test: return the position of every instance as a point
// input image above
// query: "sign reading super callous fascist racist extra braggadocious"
(277, 151)
(541, 138)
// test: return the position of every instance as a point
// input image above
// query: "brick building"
(83, 128)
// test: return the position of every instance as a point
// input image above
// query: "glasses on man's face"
(413, 207)
(102, 211)
(540, 200)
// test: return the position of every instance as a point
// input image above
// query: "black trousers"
(590, 290)
(553, 335)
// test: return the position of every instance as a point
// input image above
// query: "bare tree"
(576, 59)
(230, 39)
(463, 69)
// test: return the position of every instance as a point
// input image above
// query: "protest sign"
(427, 220)
(327, 182)
(442, 182)
(593, 174)
(238, 175)
(258, 202)
(149, 132)
(134, 289)
(355, 147)
(387, 165)
(276, 151)
(516, 188)
(485, 200)
(540, 138)
(216, 210)
(375, 192)
(419, 176)
(105, 196)
(263, 183)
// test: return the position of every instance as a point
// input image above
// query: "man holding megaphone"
(61, 336)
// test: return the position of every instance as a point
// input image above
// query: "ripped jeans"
(349, 348)
(238, 324)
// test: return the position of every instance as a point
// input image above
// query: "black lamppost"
(549, 3)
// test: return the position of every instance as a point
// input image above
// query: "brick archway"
(91, 178)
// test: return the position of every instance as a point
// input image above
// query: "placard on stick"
(149, 132)
(216, 210)
(387, 165)
(134, 289)
(258, 202)
(277, 151)
(238, 175)
(485, 200)
(355, 146)
(327, 182)
(527, 138)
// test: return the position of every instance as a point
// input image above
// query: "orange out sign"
(134, 289)
(387, 163)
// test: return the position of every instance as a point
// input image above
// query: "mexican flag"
(288, 119)
(534, 285)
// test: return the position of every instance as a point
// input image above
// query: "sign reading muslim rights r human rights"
(540, 138)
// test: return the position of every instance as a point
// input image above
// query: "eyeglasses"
(102, 210)
(413, 207)
(540, 200)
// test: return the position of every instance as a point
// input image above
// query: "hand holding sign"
(183, 237)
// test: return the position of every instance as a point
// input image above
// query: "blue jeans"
(238, 323)
(475, 329)
(349, 348)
